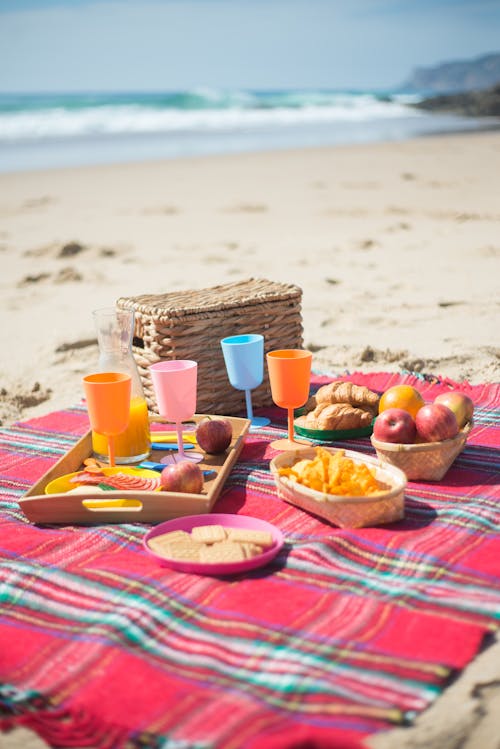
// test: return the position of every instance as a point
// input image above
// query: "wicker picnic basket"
(426, 461)
(190, 324)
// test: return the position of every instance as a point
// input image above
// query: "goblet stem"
(290, 425)
(180, 451)
(111, 450)
(248, 398)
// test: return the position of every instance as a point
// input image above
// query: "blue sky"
(84, 45)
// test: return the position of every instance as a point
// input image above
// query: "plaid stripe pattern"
(344, 634)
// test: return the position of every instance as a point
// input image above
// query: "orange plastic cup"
(108, 404)
(289, 377)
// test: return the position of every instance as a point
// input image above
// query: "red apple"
(214, 435)
(436, 422)
(184, 477)
(395, 425)
(461, 405)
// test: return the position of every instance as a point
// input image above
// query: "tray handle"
(91, 509)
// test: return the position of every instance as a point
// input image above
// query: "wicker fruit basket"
(344, 511)
(424, 461)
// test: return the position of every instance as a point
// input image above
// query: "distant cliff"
(484, 103)
(456, 76)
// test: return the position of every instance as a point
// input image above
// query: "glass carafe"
(115, 328)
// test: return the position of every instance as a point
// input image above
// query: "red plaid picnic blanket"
(346, 633)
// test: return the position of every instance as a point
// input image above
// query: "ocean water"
(40, 131)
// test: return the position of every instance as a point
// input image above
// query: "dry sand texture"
(396, 247)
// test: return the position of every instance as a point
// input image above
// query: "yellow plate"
(171, 437)
(63, 484)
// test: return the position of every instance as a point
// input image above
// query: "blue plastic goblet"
(244, 359)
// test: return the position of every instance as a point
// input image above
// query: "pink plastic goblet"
(175, 384)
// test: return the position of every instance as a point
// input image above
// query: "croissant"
(345, 392)
(335, 416)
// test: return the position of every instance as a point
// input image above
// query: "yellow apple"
(461, 405)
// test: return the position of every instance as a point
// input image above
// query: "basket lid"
(224, 296)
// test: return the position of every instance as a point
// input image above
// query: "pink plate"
(231, 521)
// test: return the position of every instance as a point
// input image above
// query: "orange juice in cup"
(108, 405)
(133, 444)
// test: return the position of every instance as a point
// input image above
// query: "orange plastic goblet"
(289, 376)
(108, 405)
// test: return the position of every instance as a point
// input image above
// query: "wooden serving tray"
(153, 507)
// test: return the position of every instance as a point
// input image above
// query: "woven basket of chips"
(190, 325)
(345, 511)
(425, 461)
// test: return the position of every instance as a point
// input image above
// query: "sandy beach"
(396, 247)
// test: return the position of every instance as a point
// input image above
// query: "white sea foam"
(61, 122)
(54, 130)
